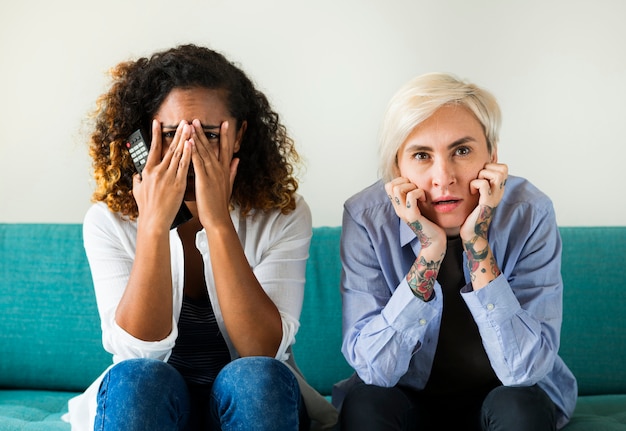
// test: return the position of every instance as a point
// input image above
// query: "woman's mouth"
(446, 205)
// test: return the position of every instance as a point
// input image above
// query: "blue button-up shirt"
(390, 336)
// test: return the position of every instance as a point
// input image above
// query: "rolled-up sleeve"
(110, 247)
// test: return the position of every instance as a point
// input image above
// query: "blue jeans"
(253, 393)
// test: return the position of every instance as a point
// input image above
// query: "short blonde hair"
(419, 98)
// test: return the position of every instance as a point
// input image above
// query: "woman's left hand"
(214, 174)
(490, 185)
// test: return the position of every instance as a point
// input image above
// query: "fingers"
(496, 174)
(178, 157)
(202, 144)
(184, 161)
(226, 145)
(404, 197)
(490, 183)
(173, 162)
(175, 150)
(403, 193)
(154, 155)
(215, 171)
(209, 150)
(211, 155)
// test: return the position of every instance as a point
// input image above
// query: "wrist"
(422, 276)
(482, 265)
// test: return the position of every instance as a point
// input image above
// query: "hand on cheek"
(405, 198)
(474, 232)
(490, 186)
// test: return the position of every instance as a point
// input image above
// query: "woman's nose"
(443, 174)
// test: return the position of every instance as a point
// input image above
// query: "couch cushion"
(599, 413)
(50, 329)
(593, 334)
(33, 410)
(318, 342)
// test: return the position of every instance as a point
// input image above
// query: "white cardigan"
(276, 246)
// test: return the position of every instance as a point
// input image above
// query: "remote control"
(138, 148)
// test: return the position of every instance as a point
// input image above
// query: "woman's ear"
(494, 155)
(395, 170)
(239, 136)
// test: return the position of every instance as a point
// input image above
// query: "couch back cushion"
(318, 342)
(49, 325)
(50, 330)
(593, 335)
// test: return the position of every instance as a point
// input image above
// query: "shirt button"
(490, 307)
(422, 322)
(203, 244)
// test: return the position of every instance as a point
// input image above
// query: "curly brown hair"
(265, 176)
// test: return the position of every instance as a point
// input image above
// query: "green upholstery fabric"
(33, 410)
(50, 328)
(318, 342)
(50, 346)
(593, 335)
(599, 413)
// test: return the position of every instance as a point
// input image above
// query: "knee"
(519, 407)
(367, 406)
(139, 394)
(140, 376)
(255, 374)
(255, 387)
(507, 399)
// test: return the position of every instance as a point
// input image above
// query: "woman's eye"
(420, 156)
(462, 151)
(169, 135)
(212, 136)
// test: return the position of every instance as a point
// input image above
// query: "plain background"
(558, 69)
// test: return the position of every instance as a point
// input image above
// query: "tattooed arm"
(490, 185)
(423, 272)
(482, 265)
(404, 196)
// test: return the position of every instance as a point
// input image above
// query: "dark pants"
(505, 408)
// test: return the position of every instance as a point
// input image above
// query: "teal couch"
(50, 345)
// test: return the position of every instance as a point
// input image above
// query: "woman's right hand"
(404, 197)
(145, 310)
(160, 188)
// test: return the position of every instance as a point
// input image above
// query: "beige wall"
(557, 67)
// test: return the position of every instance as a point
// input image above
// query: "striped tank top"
(200, 351)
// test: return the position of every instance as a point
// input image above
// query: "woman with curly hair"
(200, 316)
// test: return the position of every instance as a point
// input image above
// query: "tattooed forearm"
(476, 259)
(483, 222)
(416, 227)
(494, 267)
(422, 276)
(474, 255)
